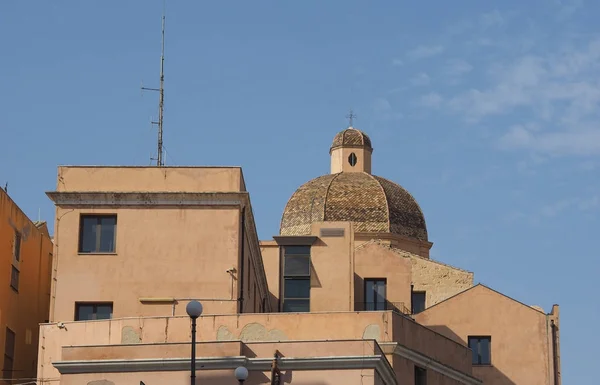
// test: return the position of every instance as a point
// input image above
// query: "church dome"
(374, 204)
(351, 137)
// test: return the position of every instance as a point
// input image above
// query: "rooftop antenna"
(161, 100)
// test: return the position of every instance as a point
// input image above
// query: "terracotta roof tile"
(372, 203)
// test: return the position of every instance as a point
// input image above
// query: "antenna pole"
(161, 101)
(159, 160)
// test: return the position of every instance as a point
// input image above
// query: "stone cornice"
(113, 199)
(377, 362)
(428, 363)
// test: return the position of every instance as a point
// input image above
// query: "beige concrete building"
(345, 294)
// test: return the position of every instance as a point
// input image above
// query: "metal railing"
(398, 307)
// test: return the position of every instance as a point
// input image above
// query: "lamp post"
(194, 310)
(241, 374)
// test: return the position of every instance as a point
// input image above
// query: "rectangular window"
(97, 233)
(420, 376)
(417, 300)
(296, 279)
(14, 278)
(93, 311)
(17, 250)
(375, 294)
(481, 346)
(9, 354)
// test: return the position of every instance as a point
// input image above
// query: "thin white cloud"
(457, 67)
(432, 99)
(491, 19)
(383, 110)
(397, 62)
(421, 79)
(424, 51)
(559, 91)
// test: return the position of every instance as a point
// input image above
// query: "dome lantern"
(351, 152)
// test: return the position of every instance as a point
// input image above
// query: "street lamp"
(241, 374)
(194, 310)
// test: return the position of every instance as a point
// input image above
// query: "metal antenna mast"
(161, 100)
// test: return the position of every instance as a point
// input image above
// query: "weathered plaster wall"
(520, 345)
(167, 252)
(22, 311)
(150, 179)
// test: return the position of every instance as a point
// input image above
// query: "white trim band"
(377, 362)
(429, 363)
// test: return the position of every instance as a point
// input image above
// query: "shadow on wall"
(255, 378)
(487, 373)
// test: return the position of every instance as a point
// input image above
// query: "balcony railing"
(398, 307)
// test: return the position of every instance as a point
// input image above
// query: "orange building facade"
(345, 293)
(25, 268)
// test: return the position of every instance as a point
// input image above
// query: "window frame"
(17, 246)
(293, 251)
(420, 374)
(94, 310)
(14, 278)
(98, 242)
(6, 370)
(384, 303)
(412, 302)
(477, 355)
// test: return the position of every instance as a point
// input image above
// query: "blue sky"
(486, 111)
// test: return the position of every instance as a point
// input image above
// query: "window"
(17, 246)
(417, 301)
(481, 346)
(97, 233)
(14, 279)
(375, 294)
(420, 376)
(93, 311)
(296, 279)
(9, 354)
(352, 159)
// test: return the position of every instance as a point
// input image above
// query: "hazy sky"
(486, 111)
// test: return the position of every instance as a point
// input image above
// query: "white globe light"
(241, 373)
(194, 309)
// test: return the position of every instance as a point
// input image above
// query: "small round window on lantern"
(352, 159)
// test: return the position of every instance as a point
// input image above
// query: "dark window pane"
(9, 343)
(107, 236)
(474, 346)
(18, 246)
(418, 301)
(296, 288)
(88, 236)
(484, 351)
(420, 376)
(375, 294)
(14, 278)
(104, 312)
(296, 305)
(85, 312)
(7, 368)
(297, 250)
(297, 265)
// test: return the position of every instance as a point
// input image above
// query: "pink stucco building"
(345, 294)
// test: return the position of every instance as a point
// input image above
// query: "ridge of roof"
(405, 253)
(492, 290)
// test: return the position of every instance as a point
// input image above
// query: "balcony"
(398, 307)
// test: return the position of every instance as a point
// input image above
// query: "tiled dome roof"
(351, 137)
(372, 203)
